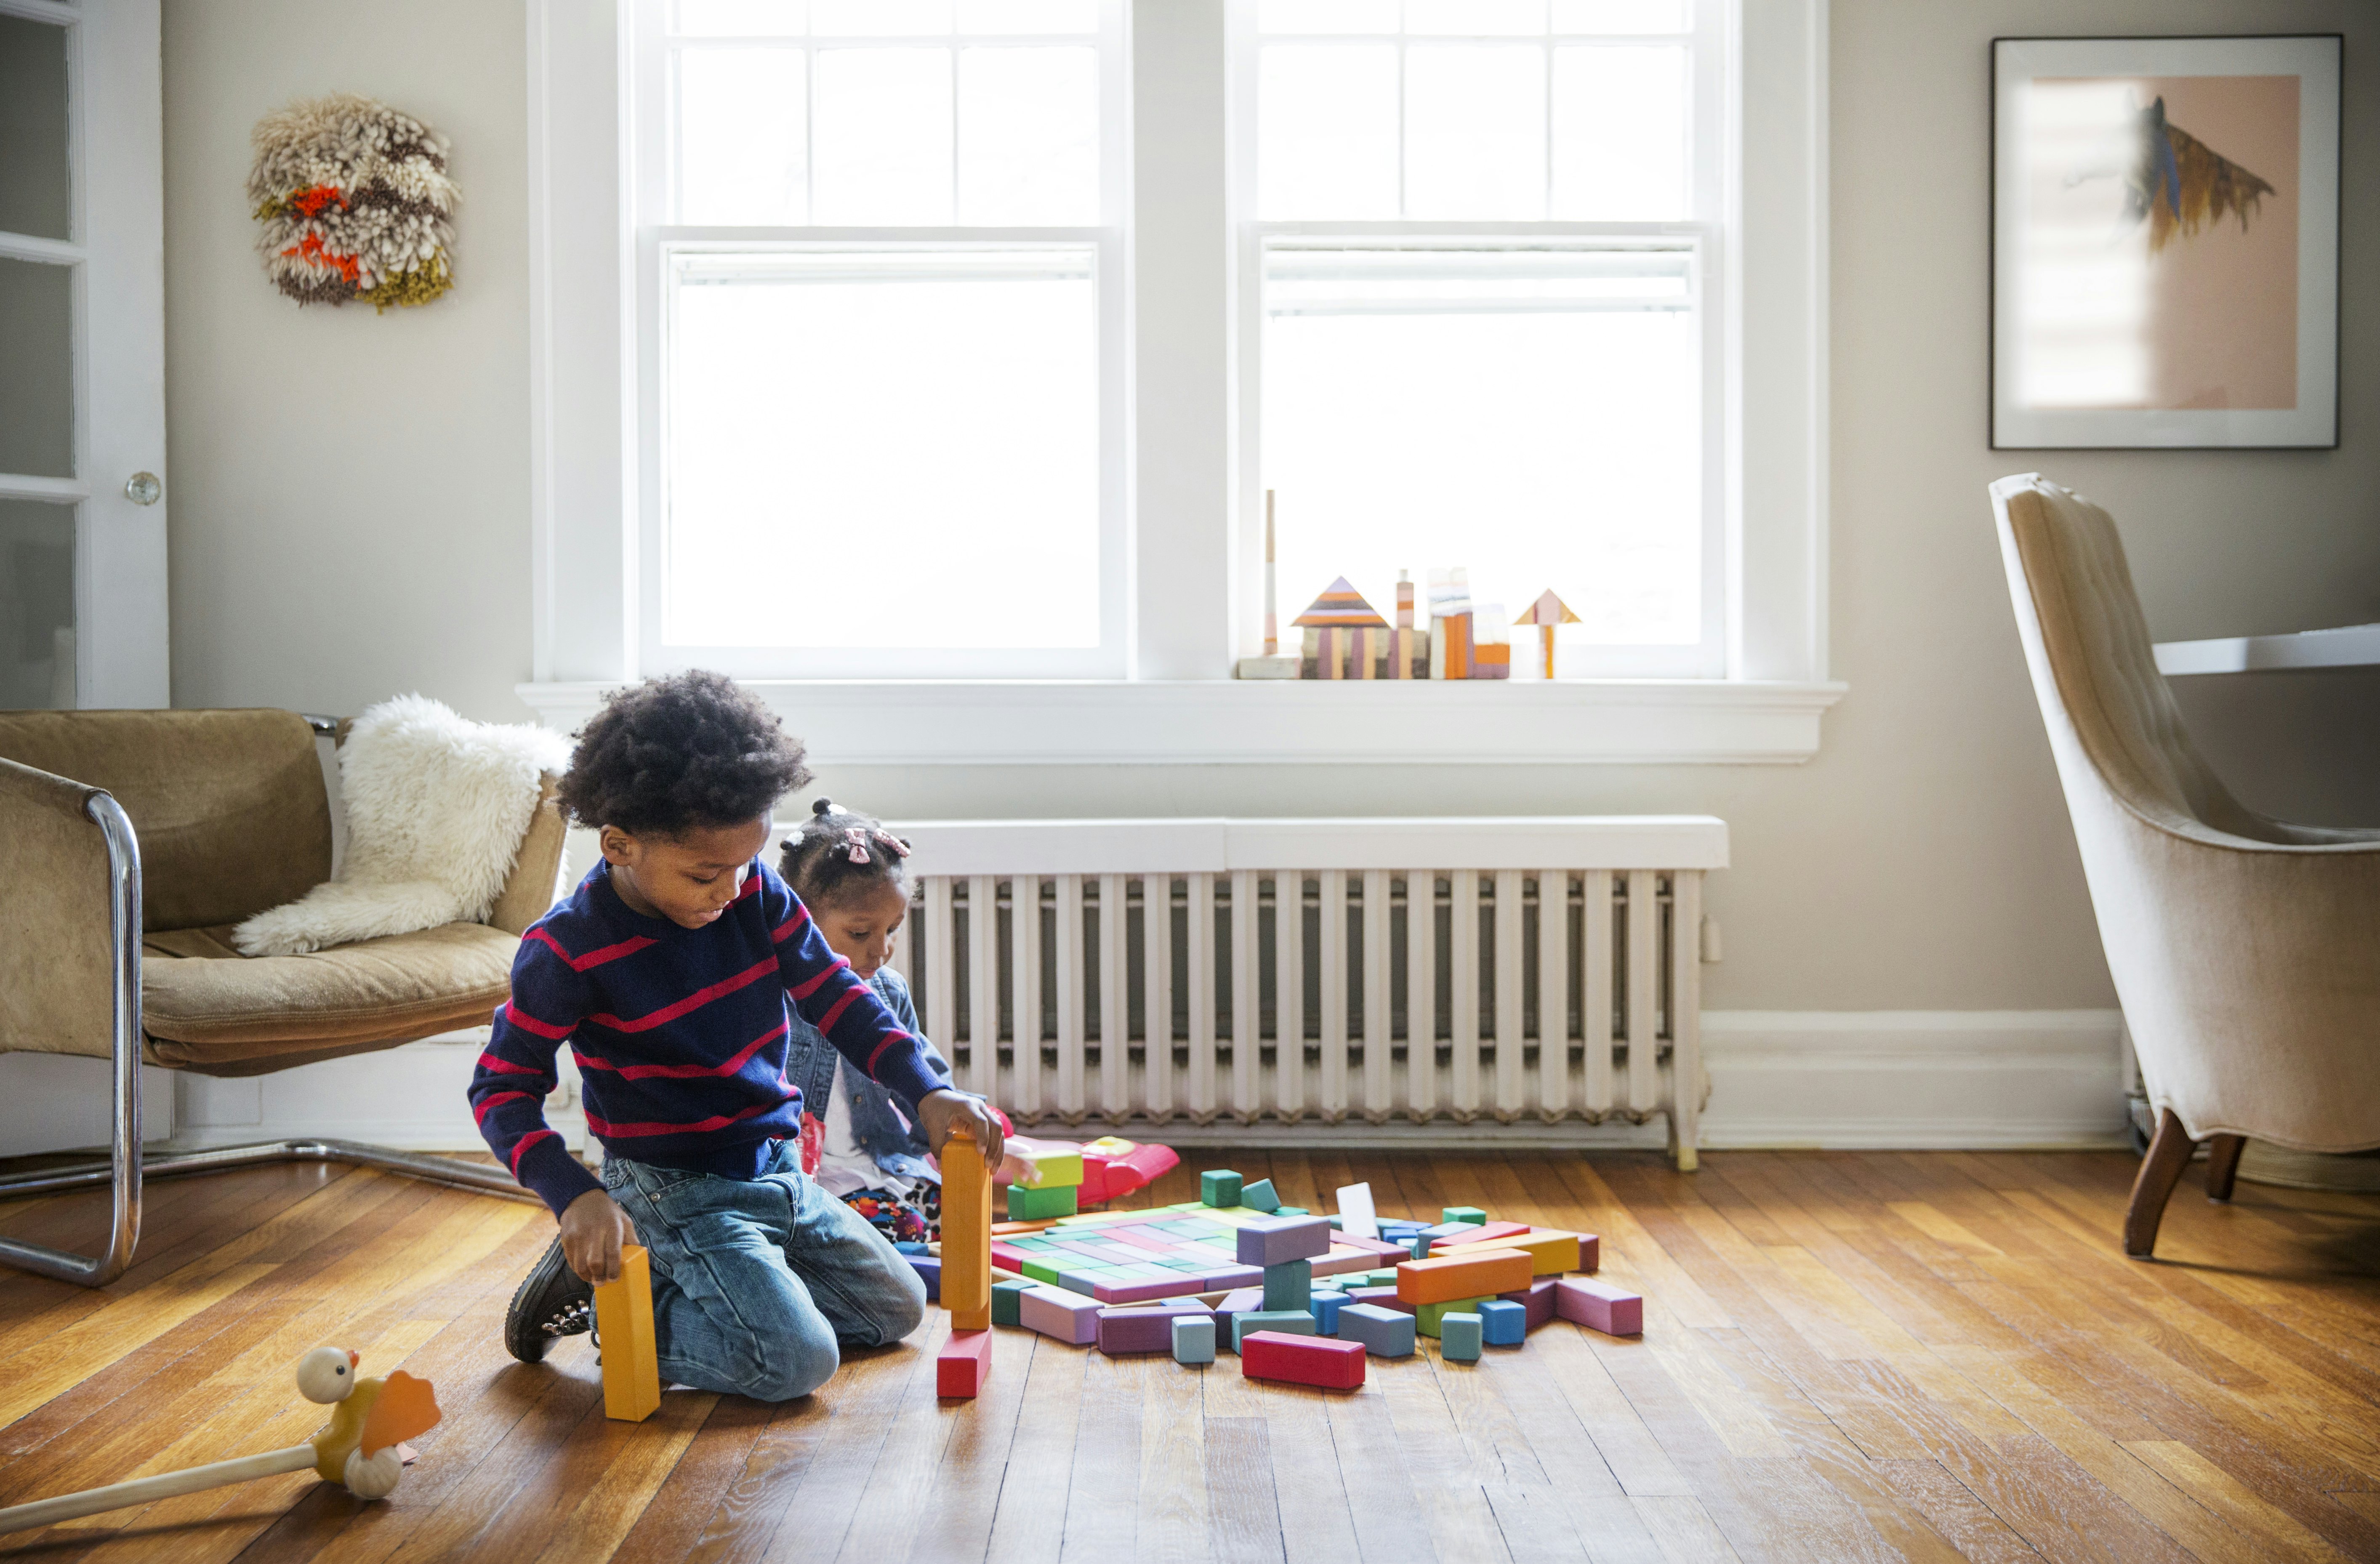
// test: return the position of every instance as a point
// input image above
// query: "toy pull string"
(148, 1490)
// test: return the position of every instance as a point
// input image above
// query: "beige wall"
(1921, 861)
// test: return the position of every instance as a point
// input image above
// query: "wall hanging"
(355, 201)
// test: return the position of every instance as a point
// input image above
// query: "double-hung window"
(881, 318)
(1478, 271)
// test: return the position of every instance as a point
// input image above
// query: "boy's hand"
(593, 1228)
(947, 1113)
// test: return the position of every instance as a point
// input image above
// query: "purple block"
(929, 1271)
(1598, 1305)
(1140, 1292)
(1537, 1298)
(1373, 1246)
(1278, 1240)
(1145, 1330)
(1068, 1316)
(1226, 1278)
(1242, 1301)
(1379, 1297)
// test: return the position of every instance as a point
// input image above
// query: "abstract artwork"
(2165, 242)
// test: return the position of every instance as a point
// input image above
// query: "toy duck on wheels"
(362, 1446)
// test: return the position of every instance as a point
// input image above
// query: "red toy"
(964, 1363)
(1302, 1360)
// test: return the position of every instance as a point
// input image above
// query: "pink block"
(1142, 1292)
(1225, 1278)
(1590, 1252)
(1372, 1246)
(1482, 1232)
(1340, 1262)
(1600, 1306)
(1537, 1298)
(1067, 1316)
(1156, 1243)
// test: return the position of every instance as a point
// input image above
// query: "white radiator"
(1132, 973)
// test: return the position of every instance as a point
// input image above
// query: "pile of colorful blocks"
(1300, 1297)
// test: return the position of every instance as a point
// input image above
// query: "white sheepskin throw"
(436, 810)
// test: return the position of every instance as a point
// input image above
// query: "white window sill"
(1069, 722)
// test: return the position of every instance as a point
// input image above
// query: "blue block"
(1447, 1230)
(910, 1246)
(929, 1271)
(1292, 1211)
(1458, 1337)
(1259, 1196)
(1269, 1240)
(1420, 1246)
(1385, 1333)
(1325, 1307)
(1194, 1338)
(1502, 1324)
(1289, 1285)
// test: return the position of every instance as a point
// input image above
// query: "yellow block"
(966, 1235)
(1551, 1253)
(623, 1314)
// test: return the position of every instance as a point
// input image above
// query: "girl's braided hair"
(836, 853)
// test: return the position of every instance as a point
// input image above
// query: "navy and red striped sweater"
(680, 1034)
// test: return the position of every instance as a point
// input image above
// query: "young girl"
(860, 1142)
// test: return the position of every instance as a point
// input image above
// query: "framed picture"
(2165, 242)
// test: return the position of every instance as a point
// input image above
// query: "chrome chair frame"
(128, 1164)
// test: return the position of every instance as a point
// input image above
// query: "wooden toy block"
(1239, 1300)
(1065, 1316)
(1477, 1232)
(964, 1364)
(1590, 1252)
(1259, 1196)
(1418, 1246)
(1501, 1324)
(1480, 1274)
(1429, 1318)
(1048, 1164)
(1382, 1297)
(1219, 1186)
(1356, 1217)
(1194, 1338)
(1549, 1253)
(1292, 1322)
(1463, 1231)
(1033, 1204)
(1598, 1305)
(1325, 1308)
(1005, 1296)
(929, 1271)
(1382, 1331)
(1144, 1330)
(1536, 1300)
(1458, 1337)
(1269, 1240)
(1298, 1360)
(1461, 1214)
(1289, 1285)
(966, 1235)
(624, 1317)
(1227, 1278)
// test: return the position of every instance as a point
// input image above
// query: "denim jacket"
(813, 1064)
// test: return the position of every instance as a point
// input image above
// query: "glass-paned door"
(82, 416)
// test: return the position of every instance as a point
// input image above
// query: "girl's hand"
(948, 1112)
(593, 1228)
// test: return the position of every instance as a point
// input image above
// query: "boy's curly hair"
(689, 751)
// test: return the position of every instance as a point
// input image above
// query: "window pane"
(1620, 15)
(1327, 15)
(37, 610)
(1326, 147)
(1475, 131)
(739, 18)
(740, 136)
(1028, 136)
(1536, 417)
(1620, 134)
(883, 137)
(1028, 15)
(1475, 17)
(896, 450)
(36, 368)
(33, 185)
(879, 18)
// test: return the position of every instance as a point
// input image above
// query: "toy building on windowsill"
(1345, 636)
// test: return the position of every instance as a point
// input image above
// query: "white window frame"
(658, 238)
(1189, 564)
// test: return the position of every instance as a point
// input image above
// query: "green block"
(1034, 1204)
(1381, 1279)
(1041, 1270)
(1428, 1318)
(1458, 1337)
(1027, 1242)
(1296, 1322)
(1218, 1187)
(1461, 1214)
(1004, 1295)
(1259, 1196)
(1051, 1169)
(1289, 1285)
(1293, 1211)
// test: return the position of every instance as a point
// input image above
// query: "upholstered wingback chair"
(130, 844)
(2245, 951)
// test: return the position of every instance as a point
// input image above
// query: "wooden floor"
(1851, 1356)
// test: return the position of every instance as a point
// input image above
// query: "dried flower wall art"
(355, 201)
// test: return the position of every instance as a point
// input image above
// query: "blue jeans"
(758, 1284)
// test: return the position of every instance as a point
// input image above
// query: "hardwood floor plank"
(1313, 1515)
(1383, 1507)
(1100, 1523)
(965, 1500)
(672, 1521)
(1953, 1510)
(862, 1410)
(1036, 1487)
(1244, 1512)
(1176, 1493)
(1684, 1530)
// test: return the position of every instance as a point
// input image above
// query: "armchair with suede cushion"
(133, 842)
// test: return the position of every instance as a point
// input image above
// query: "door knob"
(143, 488)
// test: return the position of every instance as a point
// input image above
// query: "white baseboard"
(1830, 1079)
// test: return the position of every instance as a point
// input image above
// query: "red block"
(1537, 1298)
(1302, 1360)
(1485, 1233)
(964, 1364)
(1600, 1306)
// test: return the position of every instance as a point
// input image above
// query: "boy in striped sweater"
(669, 972)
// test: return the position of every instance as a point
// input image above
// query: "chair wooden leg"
(2160, 1170)
(2222, 1164)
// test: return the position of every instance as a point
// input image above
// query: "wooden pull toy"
(361, 1447)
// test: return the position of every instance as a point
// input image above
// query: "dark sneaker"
(552, 1302)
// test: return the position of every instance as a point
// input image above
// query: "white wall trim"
(1025, 723)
